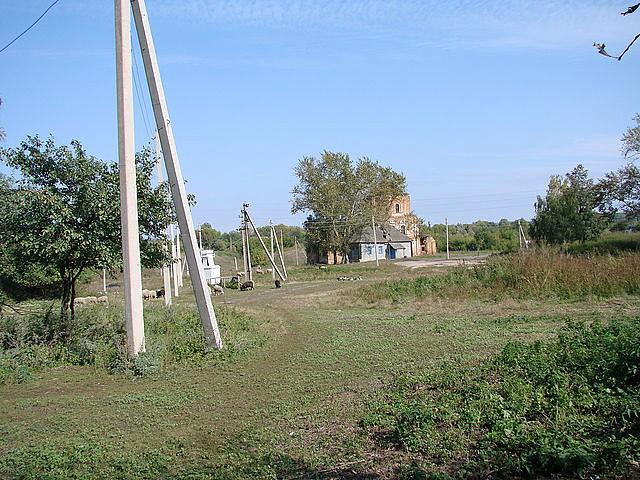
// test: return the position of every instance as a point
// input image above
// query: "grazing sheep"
(218, 290)
(259, 270)
(240, 274)
(160, 293)
(92, 300)
(269, 270)
(278, 283)
(103, 299)
(80, 301)
(149, 294)
(247, 286)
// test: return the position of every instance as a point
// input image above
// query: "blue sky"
(477, 102)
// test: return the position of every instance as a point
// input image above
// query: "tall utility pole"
(273, 270)
(166, 271)
(174, 263)
(284, 269)
(375, 239)
(295, 243)
(179, 259)
(174, 171)
(262, 244)
(128, 194)
(520, 234)
(248, 272)
(446, 222)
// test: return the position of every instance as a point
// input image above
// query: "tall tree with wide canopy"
(568, 211)
(341, 196)
(64, 212)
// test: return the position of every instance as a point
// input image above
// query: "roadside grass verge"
(539, 273)
(570, 407)
(32, 342)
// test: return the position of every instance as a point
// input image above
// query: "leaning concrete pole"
(174, 171)
(128, 193)
(166, 271)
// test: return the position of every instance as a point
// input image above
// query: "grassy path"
(288, 408)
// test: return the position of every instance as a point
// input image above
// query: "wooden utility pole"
(269, 256)
(375, 239)
(133, 311)
(273, 270)
(166, 271)
(446, 222)
(174, 171)
(235, 261)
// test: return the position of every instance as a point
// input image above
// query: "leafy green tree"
(341, 196)
(63, 214)
(567, 212)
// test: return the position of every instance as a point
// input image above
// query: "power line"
(138, 90)
(29, 27)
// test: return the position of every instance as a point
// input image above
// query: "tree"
(64, 213)
(341, 197)
(567, 213)
(619, 191)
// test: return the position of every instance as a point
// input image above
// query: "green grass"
(286, 405)
(569, 407)
(30, 343)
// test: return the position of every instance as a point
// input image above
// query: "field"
(290, 399)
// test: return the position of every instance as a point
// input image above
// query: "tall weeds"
(538, 273)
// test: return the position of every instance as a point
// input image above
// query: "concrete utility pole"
(166, 271)
(180, 266)
(200, 238)
(248, 271)
(375, 239)
(269, 256)
(295, 243)
(446, 222)
(174, 171)
(520, 234)
(273, 270)
(128, 194)
(174, 263)
(284, 269)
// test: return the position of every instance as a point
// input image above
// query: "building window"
(397, 208)
(403, 229)
(369, 250)
(380, 249)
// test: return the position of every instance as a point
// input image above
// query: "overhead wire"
(138, 90)
(29, 27)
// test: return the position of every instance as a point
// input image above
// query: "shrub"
(570, 407)
(609, 244)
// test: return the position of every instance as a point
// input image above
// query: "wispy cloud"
(488, 24)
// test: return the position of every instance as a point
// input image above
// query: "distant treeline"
(480, 235)
(220, 241)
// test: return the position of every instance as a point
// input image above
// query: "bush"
(540, 273)
(29, 343)
(571, 408)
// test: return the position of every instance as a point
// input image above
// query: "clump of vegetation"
(568, 408)
(541, 273)
(608, 244)
(33, 342)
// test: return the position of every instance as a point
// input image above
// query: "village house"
(400, 238)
